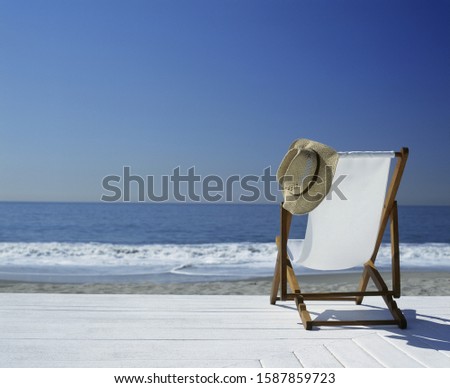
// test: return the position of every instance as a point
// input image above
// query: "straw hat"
(305, 175)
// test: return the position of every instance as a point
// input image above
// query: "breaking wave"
(223, 260)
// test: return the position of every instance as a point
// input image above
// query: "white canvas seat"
(345, 231)
(342, 231)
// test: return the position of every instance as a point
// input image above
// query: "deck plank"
(317, 356)
(351, 355)
(281, 360)
(63, 330)
(385, 353)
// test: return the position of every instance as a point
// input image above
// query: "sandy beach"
(413, 283)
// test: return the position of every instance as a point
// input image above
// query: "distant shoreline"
(173, 202)
(413, 283)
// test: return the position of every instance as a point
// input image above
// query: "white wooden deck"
(56, 330)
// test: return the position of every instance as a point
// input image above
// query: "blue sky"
(87, 87)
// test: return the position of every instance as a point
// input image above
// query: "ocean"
(133, 242)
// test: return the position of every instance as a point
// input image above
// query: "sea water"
(126, 242)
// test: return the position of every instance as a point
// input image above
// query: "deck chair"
(347, 233)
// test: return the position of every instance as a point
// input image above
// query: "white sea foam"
(231, 260)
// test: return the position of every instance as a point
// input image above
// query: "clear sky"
(87, 87)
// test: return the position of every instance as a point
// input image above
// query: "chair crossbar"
(367, 322)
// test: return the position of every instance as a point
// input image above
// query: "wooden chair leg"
(363, 284)
(292, 278)
(396, 312)
(303, 312)
(275, 281)
(391, 304)
(395, 251)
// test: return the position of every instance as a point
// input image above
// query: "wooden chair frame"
(284, 272)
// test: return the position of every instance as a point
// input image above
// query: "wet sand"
(413, 283)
